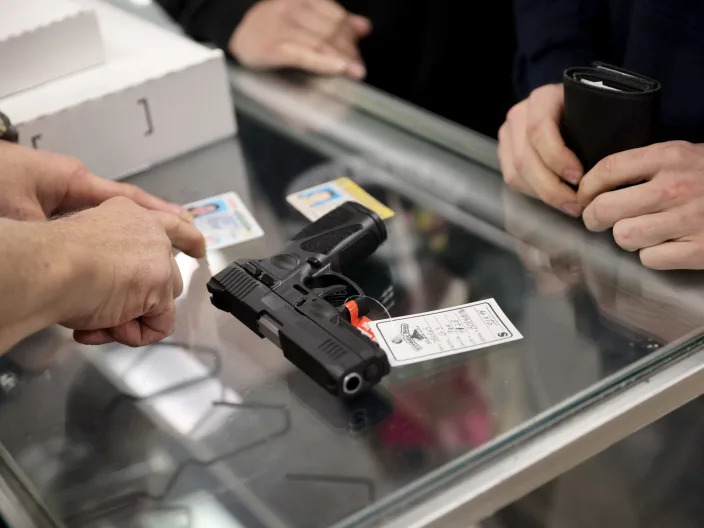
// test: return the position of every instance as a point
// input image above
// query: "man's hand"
(662, 218)
(534, 158)
(126, 277)
(36, 185)
(318, 36)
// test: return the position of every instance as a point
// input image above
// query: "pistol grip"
(346, 234)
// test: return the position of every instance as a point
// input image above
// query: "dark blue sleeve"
(553, 35)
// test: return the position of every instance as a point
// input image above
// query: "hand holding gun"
(295, 299)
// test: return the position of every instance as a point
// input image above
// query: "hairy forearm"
(35, 274)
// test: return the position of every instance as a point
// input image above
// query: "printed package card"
(224, 220)
(430, 335)
(317, 201)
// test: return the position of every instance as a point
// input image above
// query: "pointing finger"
(296, 55)
(361, 26)
(90, 190)
(183, 236)
(634, 166)
(673, 255)
(610, 207)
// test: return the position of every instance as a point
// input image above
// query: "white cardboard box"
(42, 40)
(156, 96)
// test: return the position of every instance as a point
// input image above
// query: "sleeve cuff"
(531, 73)
(216, 20)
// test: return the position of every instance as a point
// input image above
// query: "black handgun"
(296, 299)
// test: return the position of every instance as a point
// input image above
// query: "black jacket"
(208, 20)
(428, 52)
(659, 38)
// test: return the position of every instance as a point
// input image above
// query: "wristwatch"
(7, 131)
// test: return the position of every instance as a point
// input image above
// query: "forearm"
(35, 273)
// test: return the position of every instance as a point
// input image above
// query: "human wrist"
(74, 276)
(35, 279)
(216, 21)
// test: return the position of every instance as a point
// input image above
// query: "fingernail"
(186, 216)
(572, 209)
(572, 175)
(357, 71)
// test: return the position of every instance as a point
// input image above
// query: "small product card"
(430, 335)
(317, 201)
(224, 220)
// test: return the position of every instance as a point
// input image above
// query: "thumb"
(26, 208)
(293, 54)
(361, 26)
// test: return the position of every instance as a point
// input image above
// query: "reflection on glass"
(215, 428)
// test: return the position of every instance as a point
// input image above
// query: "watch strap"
(7, 131)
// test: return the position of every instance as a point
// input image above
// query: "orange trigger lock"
(363, 324)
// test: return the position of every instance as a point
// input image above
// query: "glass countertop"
(214, 427)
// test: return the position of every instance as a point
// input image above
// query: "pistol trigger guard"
(357, 290)
(334, 288)
(330, 291)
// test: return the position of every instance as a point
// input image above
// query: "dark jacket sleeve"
(553, 35)
(208, 20)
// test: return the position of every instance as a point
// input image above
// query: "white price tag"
(430, 335)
